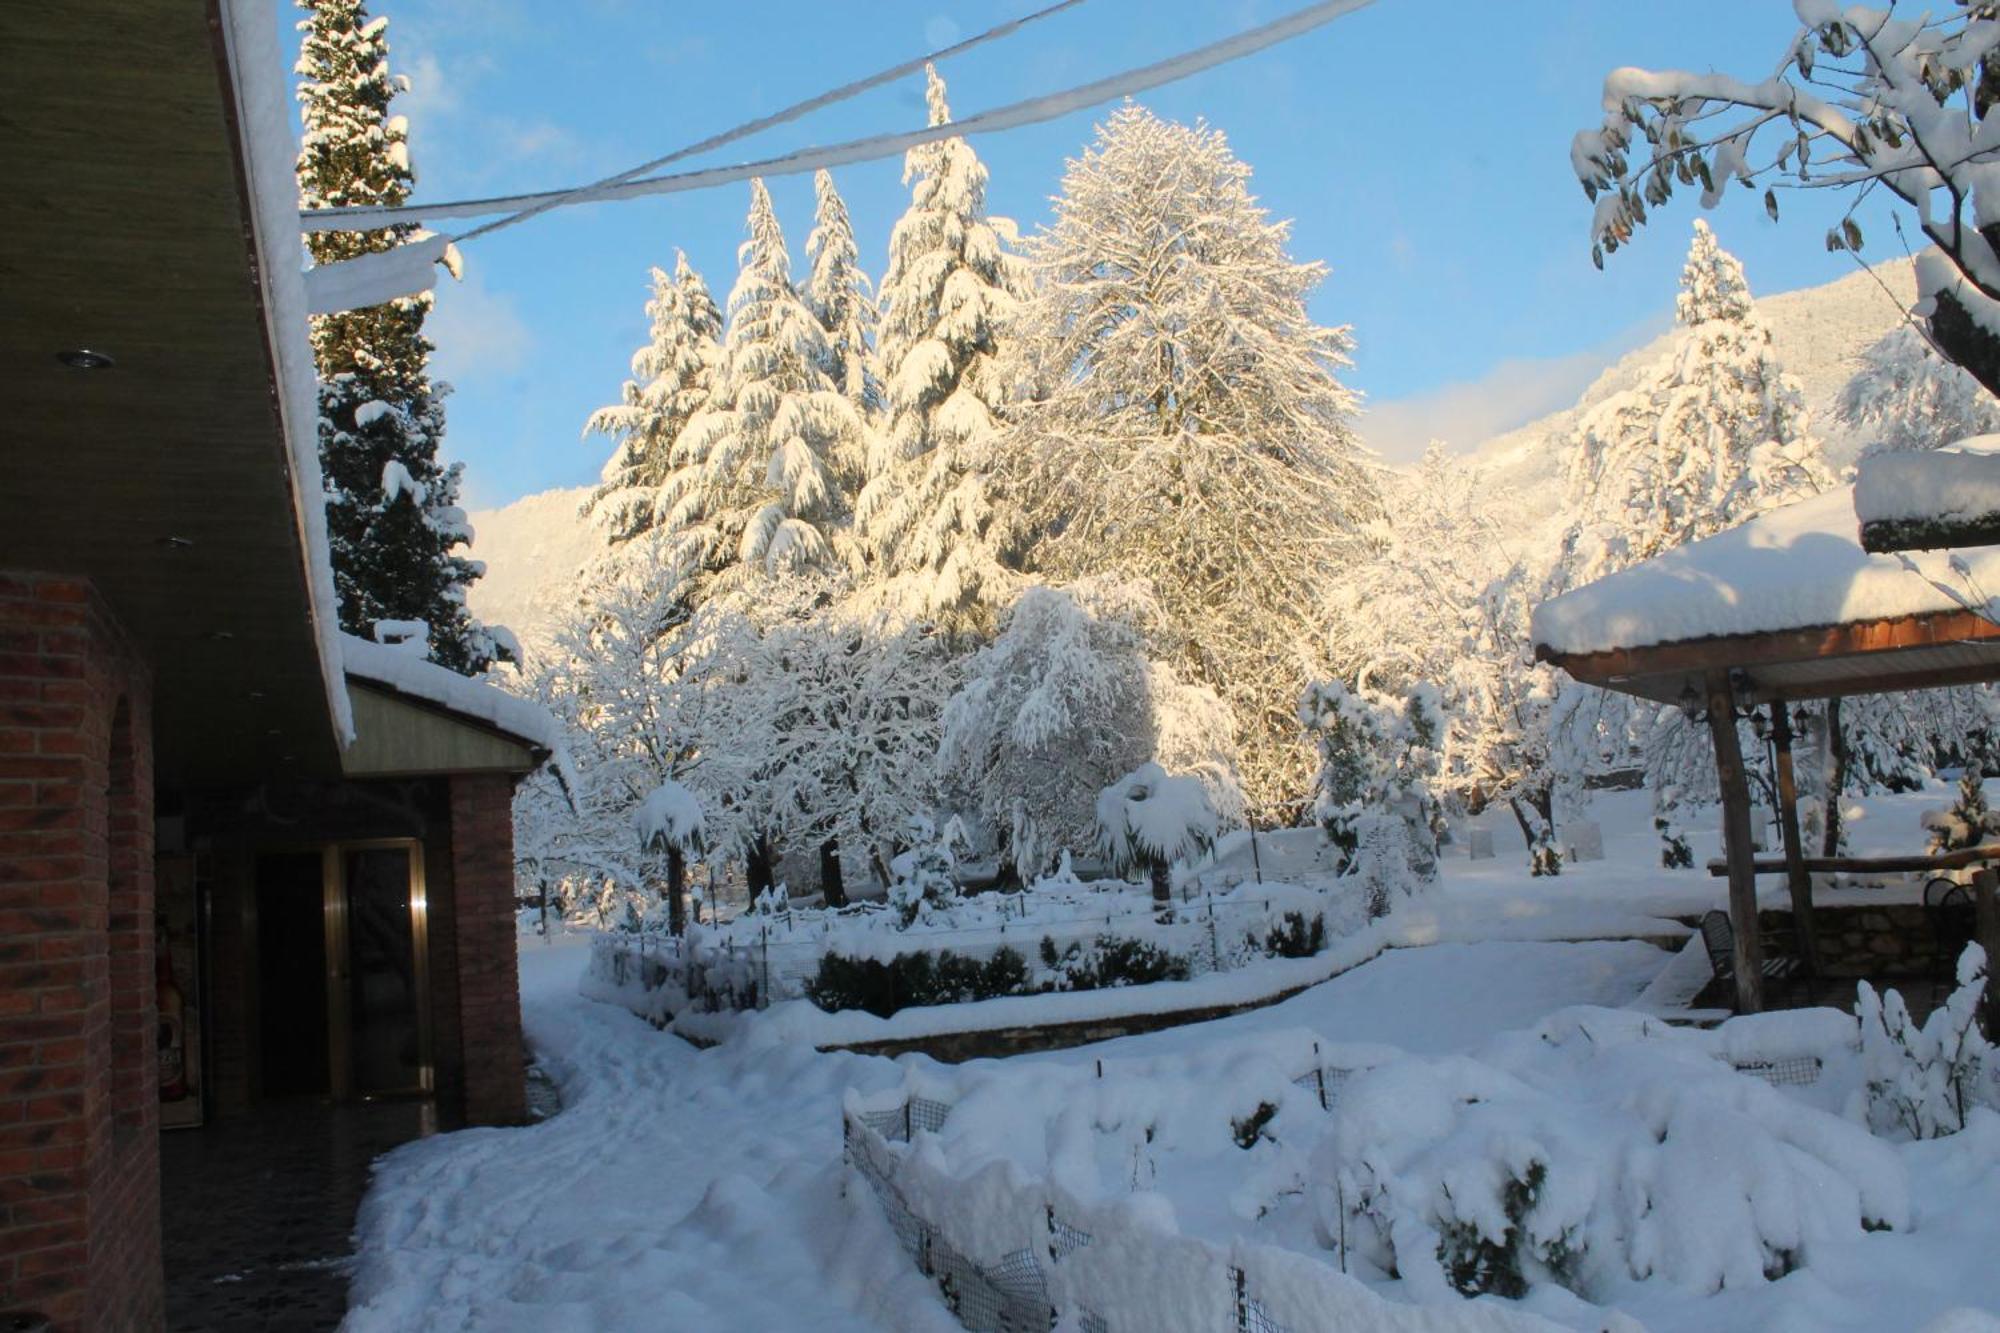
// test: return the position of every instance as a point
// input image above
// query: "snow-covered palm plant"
(1924, 1081)
(1148, 819)
(669, 821)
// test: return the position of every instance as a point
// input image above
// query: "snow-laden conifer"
(381, 417)
(950, 286)
(671, 377)
(1716, 433)
(838, 294)
(762, 476)
(1187, 425)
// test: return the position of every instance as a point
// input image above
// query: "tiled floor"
(258, 1211)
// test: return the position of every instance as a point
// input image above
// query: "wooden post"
(1987, 917)
(1735, 793)
(1796, 875)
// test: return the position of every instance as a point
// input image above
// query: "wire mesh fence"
(1012, 1293)
(1797, 1070)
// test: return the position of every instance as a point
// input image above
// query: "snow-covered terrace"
(1792, 602)
(1784, 607)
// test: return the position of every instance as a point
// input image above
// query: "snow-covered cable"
(1031, 111)
(776, 118)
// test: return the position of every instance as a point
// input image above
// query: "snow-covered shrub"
(915, 979)
(1602, 1148)
(1373, 793)
(1967, 822)
(1924, 1081)
(926, 876)
(1675, 854)
(1149, 820)
(1295, 937)
(1109, 961)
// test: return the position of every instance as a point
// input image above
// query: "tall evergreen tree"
(1716, 433)
(1189, 427)
(762, 477)
(951, 283)
(671, 378)
(392, 507)
(837, 292)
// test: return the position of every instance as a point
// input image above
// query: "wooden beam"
(1929, 534)
(1735, 793)
(1958, 860)
(1749, 651)
(1797, 878)
(1986, 916)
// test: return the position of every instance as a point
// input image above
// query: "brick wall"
(79, 1151)
(486, 964)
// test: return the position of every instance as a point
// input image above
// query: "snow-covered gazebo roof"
(1792, 602)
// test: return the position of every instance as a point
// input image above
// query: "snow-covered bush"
(926, 876)
(1924, 1081)
(1675, 853)
(1149, 820)
(1967, 822)
(1373, 792)
(914, 979)
(1601, 1149)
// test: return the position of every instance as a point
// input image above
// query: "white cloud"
(430, 93)
(1516, 391)
(940, 31)
(479, 333)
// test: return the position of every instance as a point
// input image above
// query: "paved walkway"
(258, 1212)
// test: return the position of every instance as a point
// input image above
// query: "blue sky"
(1421, 150)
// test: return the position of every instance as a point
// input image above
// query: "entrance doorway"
(342, 971)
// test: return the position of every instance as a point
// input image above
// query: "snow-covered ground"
(676, 1190)
(703, 1188)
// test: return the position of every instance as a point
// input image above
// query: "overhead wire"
(1029, 111)
(790, 113)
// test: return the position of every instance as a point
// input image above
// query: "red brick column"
(489, 981)
(79, 1151)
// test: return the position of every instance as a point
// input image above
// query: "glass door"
(379, 992)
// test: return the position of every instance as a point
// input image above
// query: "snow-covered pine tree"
(1716, 433)
(671, 376)
(393, 519)
(951, 284)
(762, 476)
(838, 294)
(1907, 397)
(1188, 426)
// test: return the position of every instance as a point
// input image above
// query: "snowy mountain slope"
(1820, 334)
(534, 549)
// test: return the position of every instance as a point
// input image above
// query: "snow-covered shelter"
(1785, 607)
(239, 858)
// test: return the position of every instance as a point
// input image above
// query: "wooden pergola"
(1803, 613)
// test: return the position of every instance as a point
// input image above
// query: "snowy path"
(1447, 997)
(677, 1189)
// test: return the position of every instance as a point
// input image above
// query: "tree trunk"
(1543, 858)
(757, 867)
(1965, 342)
(831, 885)
(676, 892)
(1836, 781)
(1163, 889)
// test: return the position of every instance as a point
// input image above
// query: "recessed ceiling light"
(82, 358)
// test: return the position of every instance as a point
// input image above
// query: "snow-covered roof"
(1799, 567)
(270, 148)
(408, 672)
(1943, 487)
